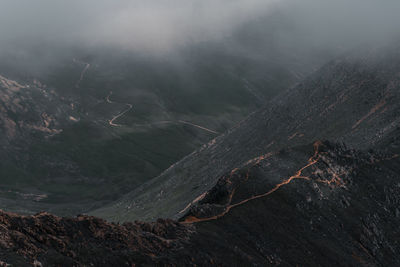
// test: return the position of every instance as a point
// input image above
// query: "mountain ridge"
(337, 212)
(312, 180)
(335, 108)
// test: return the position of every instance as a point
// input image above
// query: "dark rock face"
(55, 241)
(31, 114)
(333, 207)
(30, 109)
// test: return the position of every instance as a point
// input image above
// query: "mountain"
(101, 120)
(353, 99)
(29, 112)
(79, 135)
(108, 120)
(311, 179)
(334, 210)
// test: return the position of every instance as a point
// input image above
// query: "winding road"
(130, 106)
(112, 121)
(198, 126)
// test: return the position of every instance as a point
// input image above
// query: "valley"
(282, 197)
(199, 133)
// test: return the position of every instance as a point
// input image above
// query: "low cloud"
(160, 26)
(147, 25)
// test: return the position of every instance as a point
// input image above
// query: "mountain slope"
(354, 99)
(119, 118)
(134, 112)
(269, 192)
(312, 205)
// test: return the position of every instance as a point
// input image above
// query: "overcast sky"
(162, 25)
(151, 24)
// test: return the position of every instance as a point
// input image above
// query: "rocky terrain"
(354, 99)
(84, 125)
(234, 133)
(31, 108)
(47, 240)
(270, 192)
(95, 125)
(315, 172)
(321, 204)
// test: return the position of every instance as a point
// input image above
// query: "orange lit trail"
(298, 175)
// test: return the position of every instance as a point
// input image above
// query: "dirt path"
(129, 107)
(112, 121)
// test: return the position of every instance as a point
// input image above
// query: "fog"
(166, 26)
(154, 26)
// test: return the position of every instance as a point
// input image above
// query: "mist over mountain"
(264, 193)
(263, 129)
(165, 27)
